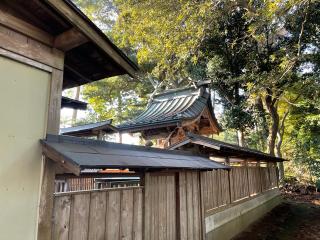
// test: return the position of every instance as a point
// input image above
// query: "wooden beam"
(18, 43)
(56, 157)
(69, 39)
(24, 60)
(27, 29)
(207, 114)
(91, 33)
(49, 167)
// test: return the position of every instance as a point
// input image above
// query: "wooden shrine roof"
(89, 54)
(172, 108)
(87, 129)
(219, 148)
(76, 154)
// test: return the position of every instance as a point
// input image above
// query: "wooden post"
(229, 181)
(259, 165)
(270, 181)
(49, 167)
(247, 171)
(227, 161)
(203, 215)
(100, 135)
(120, 137)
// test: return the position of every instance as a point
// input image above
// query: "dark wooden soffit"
(223, 149)
(89, 54)
(73, 103)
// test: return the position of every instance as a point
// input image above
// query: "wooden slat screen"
(265, 178)
(254, 180)
(105, 214)
(239, 183)
(160, 207)
(190, 220)
(273, 176)
(215, 188)
(79, 184)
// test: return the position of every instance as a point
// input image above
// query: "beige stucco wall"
(23, 116)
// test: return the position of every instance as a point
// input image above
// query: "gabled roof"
(87, 129)
(73, 103)
(89, 54)
(171, 108)
(76, 154)
(220, 148)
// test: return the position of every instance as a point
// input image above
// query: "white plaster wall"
(23, 116)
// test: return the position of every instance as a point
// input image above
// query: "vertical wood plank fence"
(169, 205)
(221, 188)
(190, 215)
(104, 214)
(160, 207)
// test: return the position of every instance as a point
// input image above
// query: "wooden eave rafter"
(207, 114)
(25, 28)
(60, 160)
(69, 39)
(64, 9)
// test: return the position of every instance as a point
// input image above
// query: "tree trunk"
(280, 134)
(241, 141)
(272, 107)
(279, 154)
(119, 108)
(75, 111)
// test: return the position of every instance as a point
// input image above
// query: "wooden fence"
(221, 188)
(101, 214)
(190, 215)
(170, 205)
(160, 207)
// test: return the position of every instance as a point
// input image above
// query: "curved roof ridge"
(171, 108)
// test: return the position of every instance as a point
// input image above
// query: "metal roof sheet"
(170, 108)
(104, 125)
(86, 153)
(73, 103)
(226, 148)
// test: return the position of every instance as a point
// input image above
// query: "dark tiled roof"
(170, 108)
(72, 103)
(226, 149)
(86, 153)
(105, 125)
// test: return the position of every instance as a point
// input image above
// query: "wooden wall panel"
(109, 214)
(265, 178)
(273, 176)
(254, 180)
(62, 206)
(97, 219)
(215, 188)
(160, 207)
(239, 183)
(190, 220)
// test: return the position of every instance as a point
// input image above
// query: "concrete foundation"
(230, 222)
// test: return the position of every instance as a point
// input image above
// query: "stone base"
(230, 222)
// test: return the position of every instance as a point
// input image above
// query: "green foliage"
(164, 34)
(117, 98)
(262, 58)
